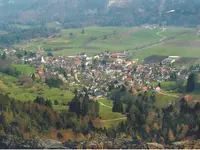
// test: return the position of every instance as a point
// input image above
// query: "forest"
(145, 121)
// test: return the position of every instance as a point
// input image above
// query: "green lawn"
(167, 51)
(163, 100)
(3, 32)
(8, 85)
(24, 69)
(106, 113)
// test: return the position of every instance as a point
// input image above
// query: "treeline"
(5, 67)
(17, 35)
(147, 122)
(37, 117)
(83, 106)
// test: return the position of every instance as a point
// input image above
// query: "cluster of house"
(99, 71)
(150, 26)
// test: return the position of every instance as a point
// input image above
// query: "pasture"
(109, 118)
(24, 69)
(139, 41)
(9, 85)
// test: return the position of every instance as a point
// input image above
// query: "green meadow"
(117, 39)
(24, 69)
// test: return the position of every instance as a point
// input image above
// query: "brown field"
(58, 41)
(193, 44)
(53, 40)
(187, 60)
(130, 32)
(154, 59)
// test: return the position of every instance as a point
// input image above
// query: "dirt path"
(159, 34)
(112, 120)
(154, 45)
(104, 105)
(170, 95)
(196, 101)
(76, 78)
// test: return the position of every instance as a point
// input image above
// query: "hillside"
(77, 13)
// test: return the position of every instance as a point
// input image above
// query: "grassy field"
(72, 41)
(185, 46)
(24, 69)
(163, 100)
(107, 116)
(8, 84)
(3, 32)
(106, 113)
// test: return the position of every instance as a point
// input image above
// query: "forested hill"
(76, 13)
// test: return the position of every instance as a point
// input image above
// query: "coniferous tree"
(3, 56)
(171, 137)
(59, 135)
(74, 105)
(159, 84)
(33, 77)
(117, 105)
(191, 83)
(83, 31)
(97, 108)
(85, 105)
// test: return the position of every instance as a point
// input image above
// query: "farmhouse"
(171, 59)
(118, 55)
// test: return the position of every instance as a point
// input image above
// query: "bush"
(53, 82)
(59, 135)
(56, 102)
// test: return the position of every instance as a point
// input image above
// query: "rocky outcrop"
(113, 144)
(184, 145)
(96, 143)
(127, 144)
(8, 142)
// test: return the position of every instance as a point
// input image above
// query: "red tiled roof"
(188, 97)
(129, 79)
(134, 91)
(41, 73)
(145, 88)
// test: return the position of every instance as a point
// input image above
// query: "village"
(97, 73)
